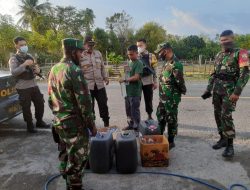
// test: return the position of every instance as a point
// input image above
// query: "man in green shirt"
(133, 89)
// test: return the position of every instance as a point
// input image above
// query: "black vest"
(147, 70)
(28, 73)
(145, 59)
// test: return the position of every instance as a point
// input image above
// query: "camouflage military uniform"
(171, 87)
(70, 102)
(230, 76)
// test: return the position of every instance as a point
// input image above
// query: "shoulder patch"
(243, 58)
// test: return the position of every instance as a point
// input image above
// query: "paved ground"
(28, 160)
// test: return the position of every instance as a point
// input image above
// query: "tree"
(211, 49)
(120, 24)
(73, 22)
(88, 19)
(243, 41)
(41, 24)
(30, 9)
(7, 33)
(154, 34)
(114, 44)
(193, 46)
(102, 40)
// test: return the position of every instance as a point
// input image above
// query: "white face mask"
(141, 49)
(24, 49)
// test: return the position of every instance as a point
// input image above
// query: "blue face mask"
(24, 49)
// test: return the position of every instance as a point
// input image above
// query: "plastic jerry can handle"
(100, 135)
(125, 134)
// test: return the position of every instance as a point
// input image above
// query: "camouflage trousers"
(223, 109)
(167, 112)
(74, 150)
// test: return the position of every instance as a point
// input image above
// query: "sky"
(179, 17)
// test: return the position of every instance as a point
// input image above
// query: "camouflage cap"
(161, 46)
(72, 43)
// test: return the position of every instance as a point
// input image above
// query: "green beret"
(72, 43)
(161, 46)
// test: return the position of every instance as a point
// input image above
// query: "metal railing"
(192, 69)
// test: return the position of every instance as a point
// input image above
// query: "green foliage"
(44, 26)
(192, 46)
(102, 40)
(114, 44)
(7, 31)
(243, 41)
(30, 9)
(153, 33)
(121, 25)
(115, 59)
(71, 21)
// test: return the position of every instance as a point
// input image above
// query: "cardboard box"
(154, 151)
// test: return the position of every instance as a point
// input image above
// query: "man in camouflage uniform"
(70, 102)
(171, 86)
(23, 68)
(227, 82)
(93, 68)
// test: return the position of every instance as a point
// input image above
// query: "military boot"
(171, 142)
(42, 124)
(229, 151)
(31, 128)
(221, 143)
(162, 125)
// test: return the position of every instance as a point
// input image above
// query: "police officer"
(149, 77)
(22, 67)
(227, 82)
(70, 102)
(93, 68)
(171, 86)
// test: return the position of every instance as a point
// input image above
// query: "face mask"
(227, 46)
(24, 49)
(141, 49)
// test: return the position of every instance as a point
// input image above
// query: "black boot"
(31, 128)
(42, 124)
(106, 123)
(229, 151)
(221, 143)
(171, 142)
(76, 187)
(162, 125)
